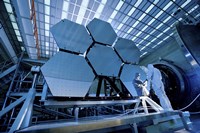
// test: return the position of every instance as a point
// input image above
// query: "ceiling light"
(17, 32)
(100, 9)
(65, 6)
(143, 54)
(19, 38)
(194, 8)
(46, 26)
(47, 52)
(12, 17)
(168, 5)
(119, 5)
(114, 13)
(47, 44)
(120, 26)
(47, 19)
(8, 1)
(8, 7)
(46, 33)
(82, 11)
(187, 2)
(47, 10)
(47, 2)
(14, 25)
(64, 14)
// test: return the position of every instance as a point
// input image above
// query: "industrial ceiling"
(148, 23)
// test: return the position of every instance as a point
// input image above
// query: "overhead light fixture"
(82, 11)
(8, 7)
(19, 38)
(143, 54)
(47, 2)
(130, 12)
(47, 10)
(64, 15)
(197, 15)
(47, 19)
(12, 18)
(157, 16)
(168, 5)
(120, 26)
(180, 19)
(14, 25)
(46, 33)
(46, 26)
(119, 5)
(194, 8)
(143, 16)
(184, 4)
(17, 32)
(65, 9)
(162, 40)
(114, 13)
(157, 38)
(47, 52)
(100, 9)
(8, 1)
(47, 44)
(153, 40)
(65, 6)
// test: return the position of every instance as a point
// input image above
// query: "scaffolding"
(29, 106)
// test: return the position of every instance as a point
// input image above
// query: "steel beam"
(44, 92)
(12, 105)
(9, 70)
(63, 104)
(23, 112)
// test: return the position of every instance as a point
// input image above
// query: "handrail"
(9, 62)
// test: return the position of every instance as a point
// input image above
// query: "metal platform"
(104, 123)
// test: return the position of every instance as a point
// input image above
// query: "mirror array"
(87, 53)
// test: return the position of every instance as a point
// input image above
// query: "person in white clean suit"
(140, 86)
(154, 78)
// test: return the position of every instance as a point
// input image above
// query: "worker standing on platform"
(140, 86)
(154, 78)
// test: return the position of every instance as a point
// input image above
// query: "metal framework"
(30, 107)
(63, 97)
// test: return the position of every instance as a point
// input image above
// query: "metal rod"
(34, 79)
(12, 82)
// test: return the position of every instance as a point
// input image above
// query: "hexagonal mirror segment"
(64, 76)
(71, 36)
(101, 31)
(128, 75)
(104, 60)
(127, 50)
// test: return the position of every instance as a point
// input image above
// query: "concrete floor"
(195, 119)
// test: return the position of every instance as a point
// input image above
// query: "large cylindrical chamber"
(175, 82)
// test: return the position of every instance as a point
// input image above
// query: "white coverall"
(155, 79)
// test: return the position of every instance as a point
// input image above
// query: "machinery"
(179, 65)
(85, 87)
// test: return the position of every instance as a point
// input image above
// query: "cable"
(190, 103)
(194, 113)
